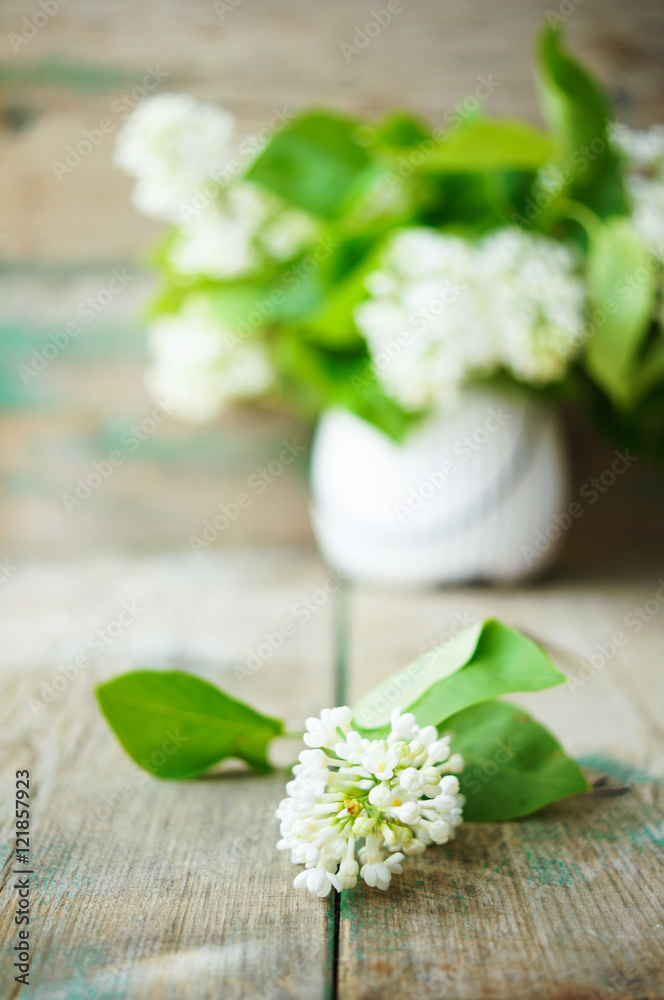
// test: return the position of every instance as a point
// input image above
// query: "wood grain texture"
(565, 904)
(87, 402)
(257, 58)
(160, 891)
(151, 890)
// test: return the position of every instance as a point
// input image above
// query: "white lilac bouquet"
(383, 266)
(376, 784)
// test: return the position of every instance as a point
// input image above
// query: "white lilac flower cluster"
(246, 227)
(172, 144)
(443, 310)
(188, 172)
(202, 367)
(644, 152)
(396, 795)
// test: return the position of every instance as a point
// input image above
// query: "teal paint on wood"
(95, 339)
(546, 870)
(209, 450)
(626, 774)
(61, 73)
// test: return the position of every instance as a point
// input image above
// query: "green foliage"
(622, 287)
(579, 115)
(364, 180)
(397, 130)
(315, 163)
(483, 662)
(513, 765)
(483, 145)
(316, 376)
(176, 725)
(649, 375)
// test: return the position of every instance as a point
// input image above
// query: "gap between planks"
(341, 631)
(562, 904)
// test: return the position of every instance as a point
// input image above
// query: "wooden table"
(146, 889)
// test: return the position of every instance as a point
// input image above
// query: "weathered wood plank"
(64, 414)
(564, 904)
(257, 57)
(151, 890)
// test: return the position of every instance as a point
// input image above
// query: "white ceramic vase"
(471, 494)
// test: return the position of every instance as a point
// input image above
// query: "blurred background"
(72, 249)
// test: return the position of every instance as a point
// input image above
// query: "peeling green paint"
(628, 774)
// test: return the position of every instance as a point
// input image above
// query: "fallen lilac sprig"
(397, 795)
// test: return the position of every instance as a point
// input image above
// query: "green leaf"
(310, 375)
(229, 301)
(579, 115)
(176, 725)
(650, 371)
(232, 302)
(471, 204)
(486, 144)
(513, 765)
(398, 129)
(622, 287)
(364, 396)
(483, 662)
(314, 163)
(315, 377)
(332, 324)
